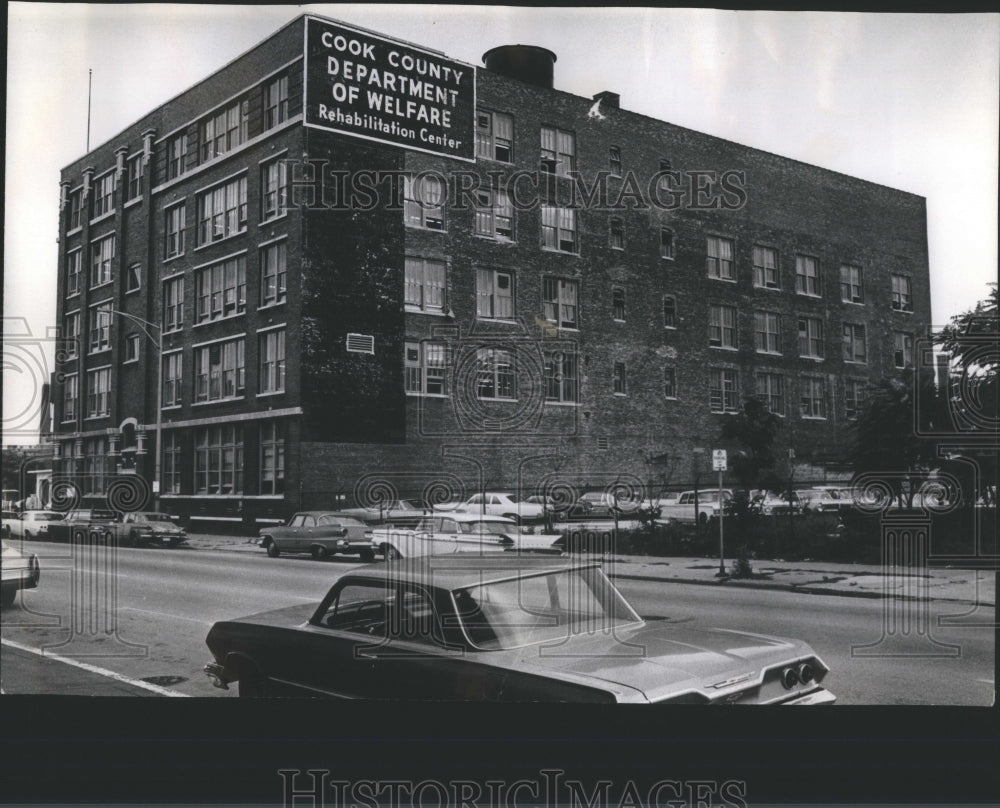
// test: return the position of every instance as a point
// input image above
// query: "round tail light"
(789, 678)
(807, 673)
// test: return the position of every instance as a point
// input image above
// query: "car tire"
(320, 553)
(703, 517)
(252, 684)
(28, 535)
(8, 597)
(391, 553)
(367, 555)
(272, 549)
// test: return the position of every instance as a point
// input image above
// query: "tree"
(884, 439)
(754, 428)
(14, 458)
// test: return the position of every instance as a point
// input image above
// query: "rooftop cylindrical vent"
(528, 63)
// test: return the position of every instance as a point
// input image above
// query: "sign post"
(719, 464)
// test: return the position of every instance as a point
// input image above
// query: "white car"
(683, 508)
(17, 572)
(493, 503)
(457, 532)
(33, 524)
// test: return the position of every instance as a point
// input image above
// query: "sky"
(911, 101)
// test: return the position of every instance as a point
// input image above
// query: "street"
(140, 629)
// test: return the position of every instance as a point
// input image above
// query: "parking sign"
(719, 460)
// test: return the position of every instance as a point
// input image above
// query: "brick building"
(578, 300)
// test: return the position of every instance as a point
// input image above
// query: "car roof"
(458, 570)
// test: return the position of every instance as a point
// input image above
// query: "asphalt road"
(145, 636)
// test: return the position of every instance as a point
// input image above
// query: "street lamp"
(144, 326)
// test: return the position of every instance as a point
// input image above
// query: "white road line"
(118, 677)
(164, 614)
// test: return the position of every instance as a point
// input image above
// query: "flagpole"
(90, 81)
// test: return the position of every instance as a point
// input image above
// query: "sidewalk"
(817, 577)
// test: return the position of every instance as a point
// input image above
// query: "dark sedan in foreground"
(17, 571)
(504, 628)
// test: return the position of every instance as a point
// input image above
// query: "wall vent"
(361, 343)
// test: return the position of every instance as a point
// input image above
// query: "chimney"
(608, 99)
(528, 63)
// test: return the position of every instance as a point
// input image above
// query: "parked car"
(86, 518)
(779, 504)
(321, 533)
(683, 509)
(7, 518)
(147, 527)
(597, 505)
(32, 524)
(549, 504)
(458, 631)
(17, 572)
(401, 512)
(461, 533)
(506, 505)
(825, 499)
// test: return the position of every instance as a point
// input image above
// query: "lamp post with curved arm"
(144, 326)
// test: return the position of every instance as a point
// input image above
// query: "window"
(494, 215)
(273, 286)
(424, 285)
(558, 228)
(224, 131)
(850, 285)
(173, 366)
(495, 136)
(133, 278)
(75, 209)
(559, 302)
(670, 383)
(219, 370)
(616, 234)
(102, 256)
(723, 393)
(494, 294)
(765, 268)
(812, 403)
(132, 348)
(173, 304)
(766, 332)
(615, 161)
(275, 102)
(666, 243)
(74, 263)
(423, 201)
(669, 311)
(71, 396)
(95, 465)
(218, 460)
(98, 389)
(561, 377)
(135, 170)
(806, 275)
(721, 326)
(902, 349)
(221, 290)
(558, 151)
(854, 343)
(618, 376)
(618, 302)
(494, 374)
(171, 470)
(177, 148)
(425, 366)
(811, 337)
(71, 334)
(175, 226)
(222, 211)
(720, 258)
(902, 300)
(273, 190)
(272, 457)
(855, 393)
(771, 390)
(104, 200)
(272, 361)
(100, 327)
